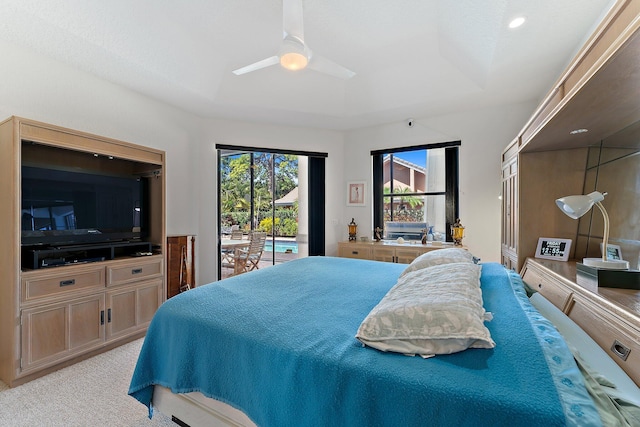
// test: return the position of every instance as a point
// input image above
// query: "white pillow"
(435, 310)
(438, 257)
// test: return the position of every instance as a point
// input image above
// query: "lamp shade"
(576, 206)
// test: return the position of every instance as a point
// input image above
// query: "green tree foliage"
(285, 169)
(283, 226)
(235, 186)
(235, 183)
(266, 225)
(408, 207)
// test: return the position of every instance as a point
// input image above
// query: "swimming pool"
(281, 246)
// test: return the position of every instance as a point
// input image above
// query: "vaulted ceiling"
(412, 58)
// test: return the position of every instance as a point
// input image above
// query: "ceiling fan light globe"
(293, 61)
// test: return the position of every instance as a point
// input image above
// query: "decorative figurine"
(424, 236)
(353, 230)
(457, 232)
(378, 234)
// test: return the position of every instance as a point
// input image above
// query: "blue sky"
(416, 157)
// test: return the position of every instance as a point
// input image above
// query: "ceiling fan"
(294, 53)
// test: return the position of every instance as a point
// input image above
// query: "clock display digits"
(553, 248)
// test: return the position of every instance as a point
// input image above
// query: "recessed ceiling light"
(577, 131)
(516, 22)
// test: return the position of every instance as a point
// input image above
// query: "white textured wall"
(484, 134)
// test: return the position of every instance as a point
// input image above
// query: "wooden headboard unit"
(598, 93)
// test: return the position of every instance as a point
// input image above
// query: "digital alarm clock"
(553, 248)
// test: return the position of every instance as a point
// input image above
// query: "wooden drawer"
(133, 271)
(617, 337)
(359, 252)
(62, 281)
(551, 289)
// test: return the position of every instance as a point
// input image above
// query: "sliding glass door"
(276, 201)
(265, 192)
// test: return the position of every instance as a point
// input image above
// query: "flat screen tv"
(63, 207)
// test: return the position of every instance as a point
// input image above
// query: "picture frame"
(553, 248)
(613, 252)
(355, 193)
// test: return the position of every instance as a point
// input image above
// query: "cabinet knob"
(67, 282)
(136, 271)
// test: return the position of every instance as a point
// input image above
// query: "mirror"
(613, 166)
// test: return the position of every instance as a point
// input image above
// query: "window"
(415, 190)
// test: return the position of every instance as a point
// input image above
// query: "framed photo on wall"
(355, 193)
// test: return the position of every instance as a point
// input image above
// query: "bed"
(277, 347)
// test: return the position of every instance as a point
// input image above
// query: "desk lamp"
(575, 207)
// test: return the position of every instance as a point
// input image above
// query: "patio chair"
(247, 259)
(235, 233)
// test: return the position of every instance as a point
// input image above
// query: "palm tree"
(411, 200)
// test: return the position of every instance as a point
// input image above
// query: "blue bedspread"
(278, 344)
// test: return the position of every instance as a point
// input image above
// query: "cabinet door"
(406, 255)
(131, 308)
(180, 264)
(506, 260)
(55, 332)
(510, 205)
(384, 254)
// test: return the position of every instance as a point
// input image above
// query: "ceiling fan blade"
(324, 65)
(273, 60)
(292, 19)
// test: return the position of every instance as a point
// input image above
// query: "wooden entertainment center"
(51, 317)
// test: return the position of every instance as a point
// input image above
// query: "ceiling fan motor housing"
(293, 55)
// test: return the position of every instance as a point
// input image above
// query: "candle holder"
(457, 232)
(353, 230)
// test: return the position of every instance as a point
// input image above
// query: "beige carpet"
(90, 393)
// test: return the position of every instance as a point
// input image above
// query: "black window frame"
(452, 180)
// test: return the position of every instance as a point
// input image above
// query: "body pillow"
(434, 310)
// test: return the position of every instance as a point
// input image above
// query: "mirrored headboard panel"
(613, 167)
